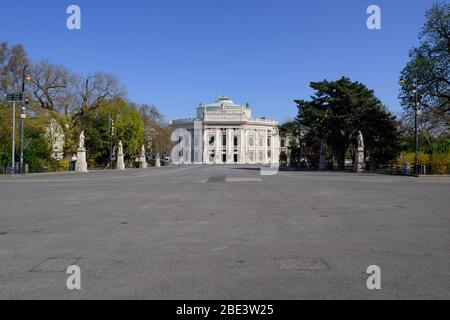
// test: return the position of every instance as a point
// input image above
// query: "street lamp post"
(416, 130)
(23, 116)
(13, 151)
(13, 97)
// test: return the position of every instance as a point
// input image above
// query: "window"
(250, 141)
(283, 143)
(269, 141)
(236, 141)
(224, 140)
(212, 140)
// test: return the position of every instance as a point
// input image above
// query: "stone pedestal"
(144, 163)
(360, 164)
(158, 162)
(323, 158)
(81, 165)
(120, 162)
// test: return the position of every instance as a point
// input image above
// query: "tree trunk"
(341, 159)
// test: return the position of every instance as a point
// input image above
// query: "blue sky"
(178, 53)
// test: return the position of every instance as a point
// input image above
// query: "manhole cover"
(301, 264)
(217, 179)
(55, 264)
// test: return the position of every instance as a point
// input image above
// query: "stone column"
(230, 146)
(265, 147)
(218, 157)
(273, 158)
(206, 146)
(242, 143)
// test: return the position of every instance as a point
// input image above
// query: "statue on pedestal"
(360, 165)
(120, 157)
(81, 143)
(81, 164)
(360, 140)
(158, 161)
(143, 158)
(323, 157)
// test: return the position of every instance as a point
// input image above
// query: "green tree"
(429, 65)
(291, 129)
(128, 126)
(335, 114)
(37, 150)
(157, 132)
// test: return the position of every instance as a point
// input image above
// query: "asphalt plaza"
(224, 232)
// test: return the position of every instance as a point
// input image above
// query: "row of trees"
(333, 116)
(94, 103)
(339, 109)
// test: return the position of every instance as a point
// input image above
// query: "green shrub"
(440, 163)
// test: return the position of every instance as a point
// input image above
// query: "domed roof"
(223, 102)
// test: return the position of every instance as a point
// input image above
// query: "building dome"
(224, 100)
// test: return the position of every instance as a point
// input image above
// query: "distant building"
(56, 138)
(285, 149)
(231, 136)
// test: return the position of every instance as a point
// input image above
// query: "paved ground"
(220, 233)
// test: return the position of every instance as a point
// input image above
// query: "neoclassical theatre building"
(230, 135)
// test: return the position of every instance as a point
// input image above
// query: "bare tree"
(12, 62)
(157, 132)
(93, 90)
(51, 86)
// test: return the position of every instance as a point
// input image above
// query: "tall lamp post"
(13, 98)
(23, 115)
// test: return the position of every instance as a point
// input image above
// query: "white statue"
(81, 164)
(143, 159)
(82, 137)
(120, 151)
(158, 161)
(360, 140)
(120, 157)
(359, 164)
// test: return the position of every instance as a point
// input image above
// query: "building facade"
(285, 149)
(229, 135)
(55, 135)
